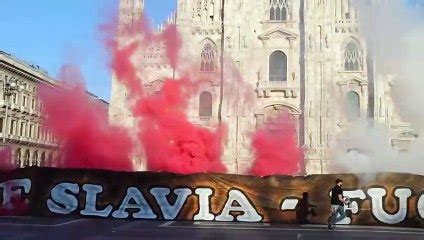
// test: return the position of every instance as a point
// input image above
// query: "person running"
(337, 205)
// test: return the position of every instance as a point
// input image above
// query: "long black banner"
(389, 199)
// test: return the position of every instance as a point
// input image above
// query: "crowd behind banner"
(393, 199)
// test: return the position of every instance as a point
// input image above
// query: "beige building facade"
(306, 57)
(32, 145)
(22, 129)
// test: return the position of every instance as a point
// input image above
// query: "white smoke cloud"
(395, 31)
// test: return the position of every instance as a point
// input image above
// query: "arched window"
(26, 158)
(18, 157)
(353, 57)
(352, 106)
(35, 159)
(278, 10)
(278, 66)
(205, 104)
(208, 58)
(43, 160)
(50, 160)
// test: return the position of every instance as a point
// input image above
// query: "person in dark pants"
(304, 209)
(337, 204)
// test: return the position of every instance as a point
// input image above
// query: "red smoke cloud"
(276, 149)
(171, 142)
(81, 126)
(173, 44)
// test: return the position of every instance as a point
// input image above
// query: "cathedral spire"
(130, 10)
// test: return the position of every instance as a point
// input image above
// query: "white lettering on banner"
(420, 206)
(249, 212)
(13, 188)
(204, 205)
(354, 206)
(61, 201)
(133, 194)
(170, 212)
(378, 211)
(91, 200)
(289, 204)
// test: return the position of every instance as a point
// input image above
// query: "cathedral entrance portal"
(270, 114)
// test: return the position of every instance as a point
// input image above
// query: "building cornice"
(24, 70)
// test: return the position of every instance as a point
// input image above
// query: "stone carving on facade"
(327, 109)
(154, 55)
(260, 120)
(275, 111)
(311, 42)
(329, 139)
(311, 109)
(246, 141)
(197, 10)
(327, 43)
(229, 43)
(380, 107)
(311, 142)
(154, 86)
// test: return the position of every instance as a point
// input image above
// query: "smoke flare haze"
(276, 149)
(170, 141)
(393, 31)
(85, 137)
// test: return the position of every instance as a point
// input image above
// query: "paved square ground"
(107, 229)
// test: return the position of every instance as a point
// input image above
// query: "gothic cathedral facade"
(305, 57)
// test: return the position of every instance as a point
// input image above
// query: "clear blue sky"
(50, 33)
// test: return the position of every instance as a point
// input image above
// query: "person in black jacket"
(337, 204)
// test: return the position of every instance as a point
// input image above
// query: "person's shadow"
(304, 209)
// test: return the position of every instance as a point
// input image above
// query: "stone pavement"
(29, 228)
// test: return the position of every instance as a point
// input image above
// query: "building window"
(50, 160)
(35, 159)
(33, 103)
(26, 158)
(43, 160)
(208, 57)
(12, 127)
(278, 66)
(38, 132)
(22, 130)
(24, 101)
(352, 106)
(205, 104)
(278, 10)
(31, 129)
(353, 57)
(18, 157)
(1, 125)
(15, 98)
